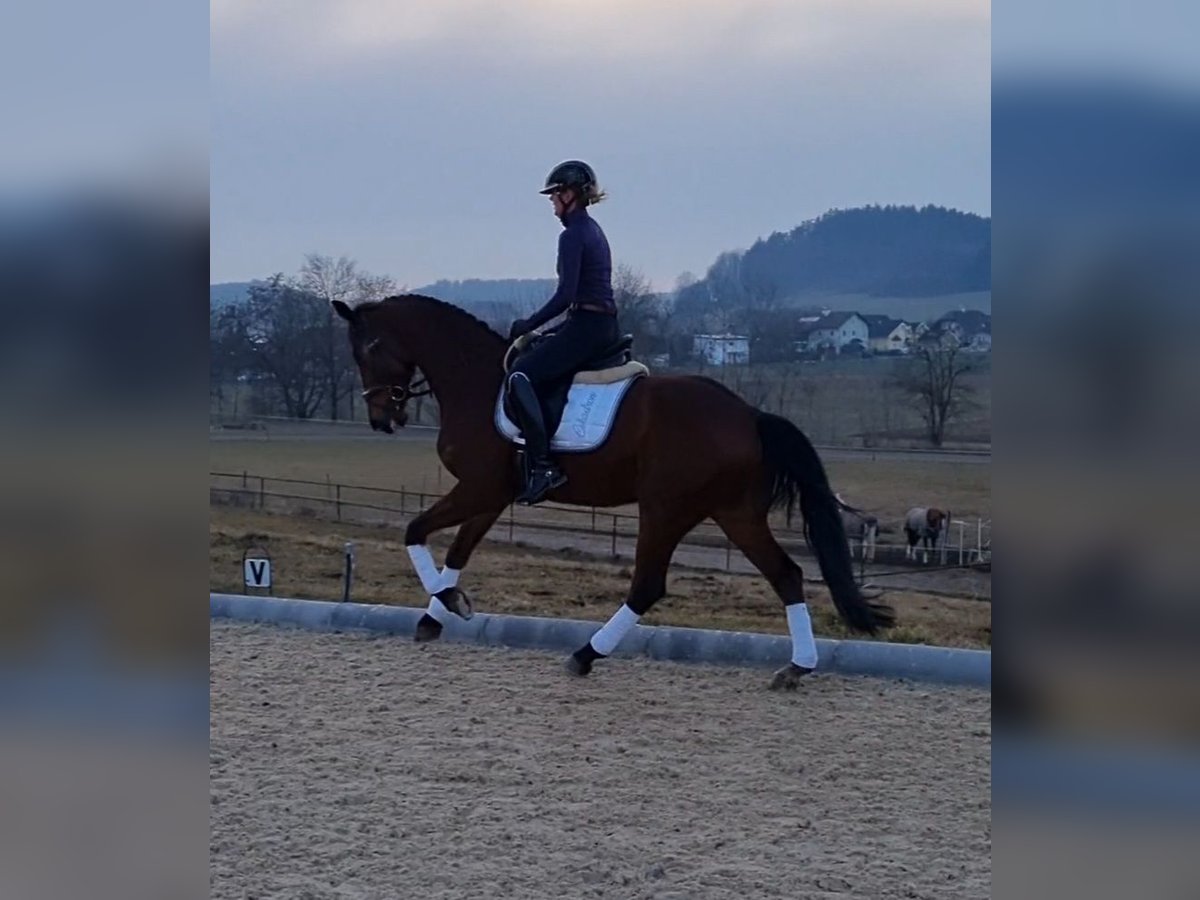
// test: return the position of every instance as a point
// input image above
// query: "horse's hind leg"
(658, 536)
(749, 531)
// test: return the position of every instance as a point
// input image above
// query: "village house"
(888, 335)
(835, 331)
(970, 327)
(722, 349)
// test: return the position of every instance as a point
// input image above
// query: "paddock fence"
(559, 527)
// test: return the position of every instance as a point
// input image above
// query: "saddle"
(592, 371)
(591, 395)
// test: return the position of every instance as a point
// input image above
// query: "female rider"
(585, 294)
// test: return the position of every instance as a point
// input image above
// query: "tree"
(934, 382)
(228, 351)
(339, 279)
(684, 281)
(641, 310)
(287, 342)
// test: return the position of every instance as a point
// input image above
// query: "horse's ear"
(343, 309)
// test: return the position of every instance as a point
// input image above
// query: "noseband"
(398, 395)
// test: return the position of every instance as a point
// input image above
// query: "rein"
(517, 347)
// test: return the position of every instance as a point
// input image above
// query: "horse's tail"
(797, 475)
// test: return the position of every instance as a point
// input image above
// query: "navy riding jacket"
(584, 268)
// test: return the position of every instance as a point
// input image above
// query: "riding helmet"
(573, 173)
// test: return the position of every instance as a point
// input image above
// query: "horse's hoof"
(428, 629)
(576, 666)
(788, 678)
(457, 602)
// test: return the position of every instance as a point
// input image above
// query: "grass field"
(308, 550)
(307, 560)
(888, 488)
(850, 402)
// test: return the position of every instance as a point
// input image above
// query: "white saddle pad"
(586, 422)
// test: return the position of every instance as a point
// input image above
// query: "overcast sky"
(414, 136)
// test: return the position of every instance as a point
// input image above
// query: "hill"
(226, 292)
(879, 254)
(475, 292)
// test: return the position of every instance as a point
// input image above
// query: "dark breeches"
(582, 336)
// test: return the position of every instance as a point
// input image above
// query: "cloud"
(411, 132)
(682, 33)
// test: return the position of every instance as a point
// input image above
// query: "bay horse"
(683, 448)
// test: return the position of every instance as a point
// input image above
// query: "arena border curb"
(916, 662)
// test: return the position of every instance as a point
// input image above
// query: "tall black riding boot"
(541, 474)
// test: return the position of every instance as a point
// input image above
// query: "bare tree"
(934, 383)
(339, 279)
(810, 388)
(787, 386)
(642, 311)
(758, 386)
(374, 287)
(285, 339)
(228, 353)
(523, 302)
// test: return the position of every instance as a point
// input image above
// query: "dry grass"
(307, 557)
(888, 488)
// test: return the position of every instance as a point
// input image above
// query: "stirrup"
(545, 479)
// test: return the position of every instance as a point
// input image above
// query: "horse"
(924, 525)
(682, 447)
(861, 526)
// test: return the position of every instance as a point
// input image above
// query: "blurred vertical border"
(103, 293)
(1096, 250)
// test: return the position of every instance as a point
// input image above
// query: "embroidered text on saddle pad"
(587, 420)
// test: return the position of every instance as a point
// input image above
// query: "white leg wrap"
(427, 569)
(804, 646)
(606, 639)
(438, 612)
(437, 609)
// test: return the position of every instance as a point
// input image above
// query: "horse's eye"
(371, 345)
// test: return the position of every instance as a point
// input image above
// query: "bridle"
(398, 394)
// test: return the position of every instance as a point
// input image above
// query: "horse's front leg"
(441, 602)
(444, 598)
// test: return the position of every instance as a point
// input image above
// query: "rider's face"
(561, 200)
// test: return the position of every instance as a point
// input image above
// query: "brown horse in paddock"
(684, 448)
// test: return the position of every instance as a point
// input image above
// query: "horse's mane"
(435, 303)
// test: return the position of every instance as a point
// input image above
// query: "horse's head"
(386, 369)
(937, 519)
